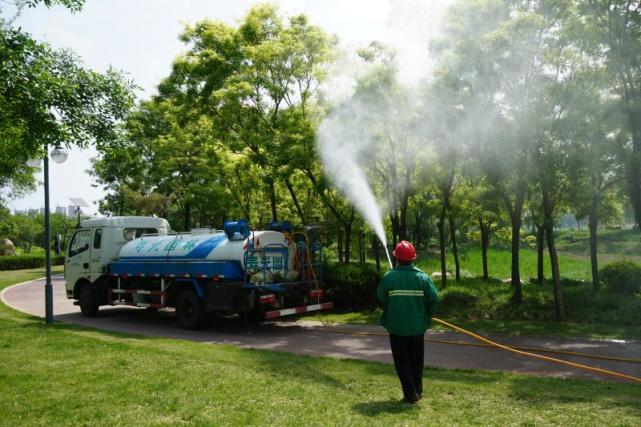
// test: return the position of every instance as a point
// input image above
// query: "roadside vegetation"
(487, 306)
(70, 375)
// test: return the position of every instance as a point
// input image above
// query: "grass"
(610, 243)
(572, 266)
(17, 276)
(69, 375)
(487, 307)
(508, 327)
(574, 255)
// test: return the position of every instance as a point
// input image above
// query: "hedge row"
(20, 262)
(352, 286)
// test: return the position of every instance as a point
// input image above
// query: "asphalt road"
(311, 338)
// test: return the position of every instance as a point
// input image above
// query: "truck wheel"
(254, 317)
(87, 301)
(190, 311)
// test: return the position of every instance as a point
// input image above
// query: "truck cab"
(97, 242)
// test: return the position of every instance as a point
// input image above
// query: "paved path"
(311, 338)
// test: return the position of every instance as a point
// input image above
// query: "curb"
(5, 302)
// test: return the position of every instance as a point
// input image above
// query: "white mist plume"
(343, 140)
(346, 138)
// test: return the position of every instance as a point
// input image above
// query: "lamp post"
(58, 155)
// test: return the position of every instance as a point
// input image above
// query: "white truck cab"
(97, 242)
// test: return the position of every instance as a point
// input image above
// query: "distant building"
(61, 210)
(71, 211)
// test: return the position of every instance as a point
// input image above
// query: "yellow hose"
(538, 356)
(490, 343)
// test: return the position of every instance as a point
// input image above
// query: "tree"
(256, 83)
(614, 36)
(48, 98)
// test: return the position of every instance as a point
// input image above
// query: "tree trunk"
(361, 247)
(121, 204)
(457, 265)
(441, 242)
(634, 167)
(348, 236)
(516, 273)
(593, 224)
(187, 217)
(540, 243)
(348, 241)
(395, 228)
(402, 222)
(418, 241)
(377, 255)
(272, 200)
(340, 246)
(299, 210)
(516, 212)
(554, 259)
(485, 242)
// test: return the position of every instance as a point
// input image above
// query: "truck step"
(298, 310)
(136, 291)
(137, 304)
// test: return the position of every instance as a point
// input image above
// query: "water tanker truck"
(139, 262)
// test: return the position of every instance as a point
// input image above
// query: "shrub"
(352, 285)
(623, 277)
(458, 298)
(20, 262)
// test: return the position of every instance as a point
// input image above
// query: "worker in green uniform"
(409, 300)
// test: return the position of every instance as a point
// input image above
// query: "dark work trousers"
(408, 352)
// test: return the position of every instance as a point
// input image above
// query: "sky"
(141, 38)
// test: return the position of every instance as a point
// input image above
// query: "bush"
(352, 285)
(458, 298)
(622, 277)
(20, 262)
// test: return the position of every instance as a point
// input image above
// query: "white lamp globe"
(59, 155)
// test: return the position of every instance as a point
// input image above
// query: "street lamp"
(58, 155)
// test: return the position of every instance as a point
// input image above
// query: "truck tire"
(190, 311)
(254, 317)
(87, 301)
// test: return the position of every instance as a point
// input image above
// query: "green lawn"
(488, 307)
(508, 327)
(64, 374)
(18, 276)
(574, 255)
(610, 243)
(499, 260)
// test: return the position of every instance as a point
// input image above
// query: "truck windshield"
(79, 242)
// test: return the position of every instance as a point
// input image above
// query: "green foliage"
(352, 285)
(473, 299)
(72, 5)
(231, 129)
(19, 262)
(27, 230)
(48, 97)
(622, 277)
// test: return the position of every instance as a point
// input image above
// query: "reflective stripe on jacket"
(409, 300)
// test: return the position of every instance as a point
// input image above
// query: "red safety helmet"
(404, 251)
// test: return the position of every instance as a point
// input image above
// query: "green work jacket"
(409, 300)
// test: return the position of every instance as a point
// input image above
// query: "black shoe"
(411, 399)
